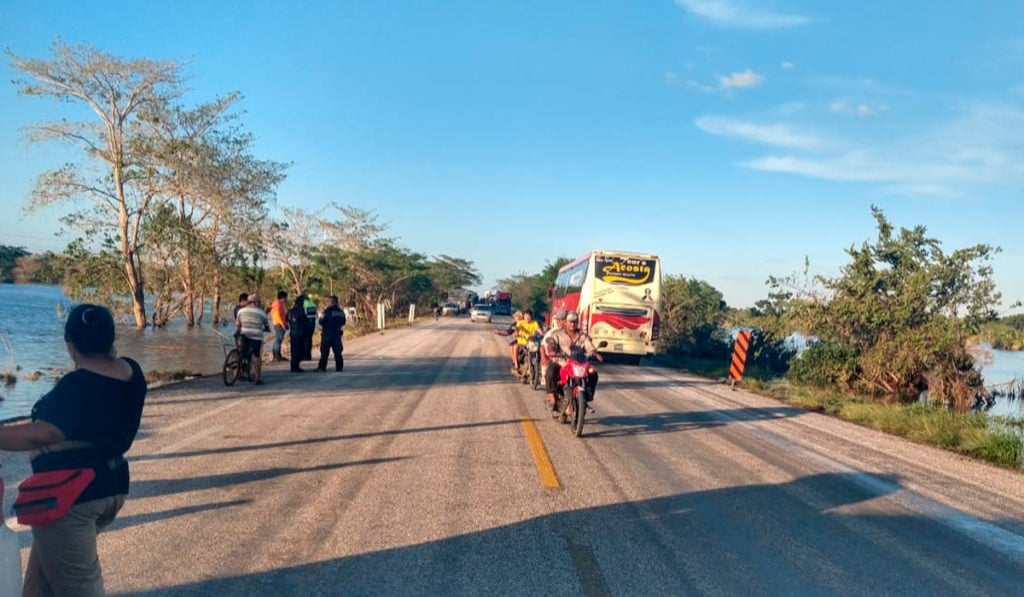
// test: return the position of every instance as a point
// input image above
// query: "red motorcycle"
(573, 394)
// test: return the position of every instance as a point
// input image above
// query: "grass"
(176, 375)
(999, 441)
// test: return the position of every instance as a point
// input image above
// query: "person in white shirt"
(252, 323)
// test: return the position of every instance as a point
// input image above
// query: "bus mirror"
(551, 293)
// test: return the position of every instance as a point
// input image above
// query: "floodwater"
(32, 338)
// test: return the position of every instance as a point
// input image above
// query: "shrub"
(824, 364)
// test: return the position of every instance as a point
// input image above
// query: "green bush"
(824, 364)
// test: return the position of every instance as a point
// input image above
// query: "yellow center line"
(545, 469)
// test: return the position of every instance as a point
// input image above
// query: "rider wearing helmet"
(561, 344)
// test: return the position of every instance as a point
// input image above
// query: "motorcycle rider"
(561, 344)
(511, 331)
(526, 328)
(557, 323)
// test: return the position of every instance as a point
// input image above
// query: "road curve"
(421, 469)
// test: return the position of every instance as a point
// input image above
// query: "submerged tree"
(115, 91)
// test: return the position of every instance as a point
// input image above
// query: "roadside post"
(380, 317)
(412, 313)
(739, 357)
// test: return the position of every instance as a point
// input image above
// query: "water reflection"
(32, 338)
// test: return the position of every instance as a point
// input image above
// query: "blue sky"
(731, 137)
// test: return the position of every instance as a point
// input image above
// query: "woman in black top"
(88, 420)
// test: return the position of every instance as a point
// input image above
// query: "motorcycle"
(533, 360)
(573, 394)
(528, 358)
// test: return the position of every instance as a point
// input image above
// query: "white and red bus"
(618, 298)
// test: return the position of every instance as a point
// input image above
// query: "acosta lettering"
(629, 271)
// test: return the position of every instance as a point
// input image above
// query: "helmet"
(572, 316)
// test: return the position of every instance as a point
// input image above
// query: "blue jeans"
(278, 338)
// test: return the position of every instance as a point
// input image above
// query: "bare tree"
(115, 90)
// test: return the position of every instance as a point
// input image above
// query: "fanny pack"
(47, 497)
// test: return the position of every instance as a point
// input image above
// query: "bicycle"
(238, 363)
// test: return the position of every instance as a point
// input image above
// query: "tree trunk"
(218, 274)
(133, 270)
(188, 289)
(215, 298)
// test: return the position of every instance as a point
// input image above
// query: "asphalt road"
(423, 468)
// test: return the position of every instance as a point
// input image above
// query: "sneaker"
(298, 370)
(258, 382)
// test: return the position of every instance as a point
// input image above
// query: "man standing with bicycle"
(252, 323)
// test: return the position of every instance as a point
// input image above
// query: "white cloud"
(777, 135)
(747, 78)
(727, 13)
(700, 87)
(981, 146)
(787, 65)
(847, 107)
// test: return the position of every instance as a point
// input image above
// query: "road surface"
(423, 468)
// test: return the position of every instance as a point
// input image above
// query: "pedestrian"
(243, 302)
(332, 323)
(310, 306)
(297, 333)
(278, 317)
(87, 423)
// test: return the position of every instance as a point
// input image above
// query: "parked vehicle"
(481, 312)
(450, 309)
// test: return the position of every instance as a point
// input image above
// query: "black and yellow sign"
(622, 270)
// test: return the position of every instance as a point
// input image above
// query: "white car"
(450, 309)
(480, 312)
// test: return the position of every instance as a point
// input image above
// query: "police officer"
(297, 333)
(331, 323)
(310, 307)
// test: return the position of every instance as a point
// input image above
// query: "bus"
(618, 298)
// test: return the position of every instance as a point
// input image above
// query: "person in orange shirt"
(279, 321)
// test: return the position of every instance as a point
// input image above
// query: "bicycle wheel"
(231, 367)
(579, 412)
(247, 369)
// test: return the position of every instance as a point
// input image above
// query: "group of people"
(252, 322)
(560, 342)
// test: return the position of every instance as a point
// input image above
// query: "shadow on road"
(154, 487)
(317, 440)
(804, 537)
(671, 422)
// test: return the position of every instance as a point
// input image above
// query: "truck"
(502, 302)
